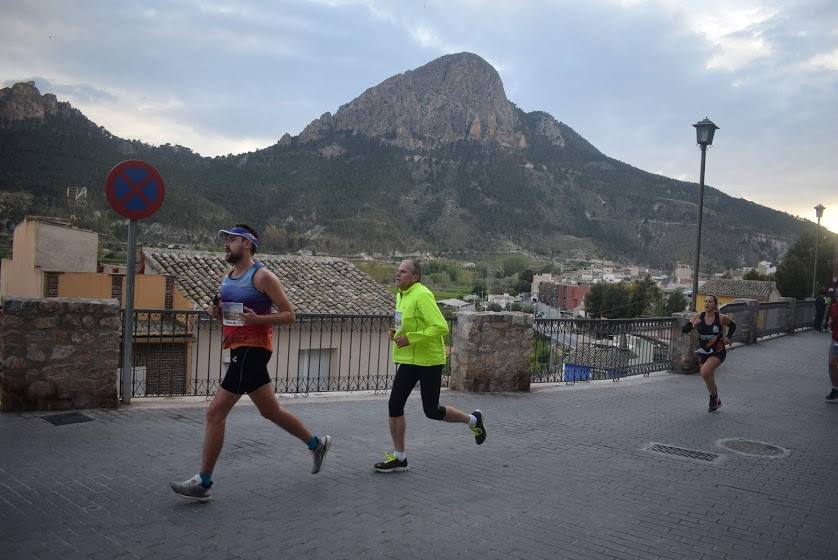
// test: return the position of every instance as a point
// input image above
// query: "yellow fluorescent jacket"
(423, 325)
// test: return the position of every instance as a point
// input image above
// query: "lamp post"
(704, 131)
(818, 212)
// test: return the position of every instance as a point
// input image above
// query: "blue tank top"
(241, 290)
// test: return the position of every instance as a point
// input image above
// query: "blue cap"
(241, 232)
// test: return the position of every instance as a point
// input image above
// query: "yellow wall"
(699, 301)
(723, 300)
(16, 280)
(38, 246)
(18, 276)
(84, 285)
(149, 289)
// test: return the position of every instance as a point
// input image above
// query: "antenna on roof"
(76, 198)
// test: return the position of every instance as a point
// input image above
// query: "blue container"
(574, 372)
(614, 373)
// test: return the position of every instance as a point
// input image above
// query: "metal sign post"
(135, 191)
(128, 326)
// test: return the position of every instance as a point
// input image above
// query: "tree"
(524, 281)
(794, 274)
(676, 302)
(608, 301)
(511, 264)
(619, 301)
(754, 274)
(644, 295)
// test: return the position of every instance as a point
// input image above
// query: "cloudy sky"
(631, 76)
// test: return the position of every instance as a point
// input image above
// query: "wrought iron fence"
(180, 353)
(573, 350)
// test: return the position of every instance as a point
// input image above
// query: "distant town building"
(454, 305)
(766, 268)
(504, 300)
(683, 274)
(563, 296)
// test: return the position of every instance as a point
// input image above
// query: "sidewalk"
(564, 474)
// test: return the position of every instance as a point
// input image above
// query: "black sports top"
(710, 336)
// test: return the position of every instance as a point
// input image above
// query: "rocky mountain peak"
(457, 97)
(24, 101)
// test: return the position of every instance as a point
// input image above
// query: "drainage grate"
(753, 448)
(682, 452)
(67, 418)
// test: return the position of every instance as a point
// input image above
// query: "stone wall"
(58, 354)
(684, 359)
(491, 352)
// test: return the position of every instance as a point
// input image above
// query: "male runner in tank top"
(712, 344)
(256, 289)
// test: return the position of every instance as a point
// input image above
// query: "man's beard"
(233, 258)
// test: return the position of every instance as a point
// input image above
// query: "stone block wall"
(491, 352)
(684, 359)
(58, 354)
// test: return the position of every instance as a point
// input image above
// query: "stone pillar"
(491, 352)
(684, 358)
(791, 314)
(750, 322)
(58, 354)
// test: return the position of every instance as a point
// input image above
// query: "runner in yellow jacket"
(419, 353)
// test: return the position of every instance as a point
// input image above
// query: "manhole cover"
(67, 418)
(682, 452)
(753, 448)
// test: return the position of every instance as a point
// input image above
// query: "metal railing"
(573, 350)
(180, 353)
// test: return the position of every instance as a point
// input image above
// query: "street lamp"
(704, 131)
(818, 212)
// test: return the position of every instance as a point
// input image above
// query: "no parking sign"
(135, 190)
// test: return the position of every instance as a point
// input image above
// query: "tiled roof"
(312, 284)
(756, 289)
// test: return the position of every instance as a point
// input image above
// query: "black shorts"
(720, 355)
(248, 370)
(430, 380)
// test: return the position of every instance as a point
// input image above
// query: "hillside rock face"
(24, 101)
(432, 160)
(453, 98)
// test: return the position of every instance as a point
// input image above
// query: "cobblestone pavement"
(564, 474)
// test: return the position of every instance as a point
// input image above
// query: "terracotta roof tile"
(756, 289)
(313, 284)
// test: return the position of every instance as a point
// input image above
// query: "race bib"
(397, 320)
(231, 314)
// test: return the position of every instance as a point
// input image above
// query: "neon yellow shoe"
(479, 429)
(391, 464)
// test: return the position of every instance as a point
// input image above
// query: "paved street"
(564, 474)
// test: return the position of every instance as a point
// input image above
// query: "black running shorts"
(720, 355)
(248, 370)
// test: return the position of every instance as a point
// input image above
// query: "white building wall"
(305, 358)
